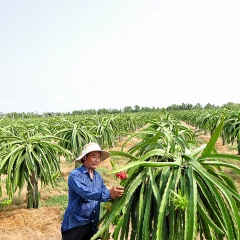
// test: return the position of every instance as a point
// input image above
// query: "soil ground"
(18, 222)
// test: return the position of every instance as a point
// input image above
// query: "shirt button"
(92, 220)
(94, 211)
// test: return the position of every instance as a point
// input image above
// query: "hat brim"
(104, 155)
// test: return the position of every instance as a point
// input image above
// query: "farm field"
(18, 222)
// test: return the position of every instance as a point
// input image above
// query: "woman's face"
(92, 160)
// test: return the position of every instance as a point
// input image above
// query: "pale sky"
(61, 56)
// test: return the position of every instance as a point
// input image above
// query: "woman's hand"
(116, 191)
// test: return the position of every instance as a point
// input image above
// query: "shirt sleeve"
(105, 193)
(79, 185)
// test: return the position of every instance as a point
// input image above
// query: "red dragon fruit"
(122, 175)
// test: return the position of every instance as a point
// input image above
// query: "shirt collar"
(84, 170)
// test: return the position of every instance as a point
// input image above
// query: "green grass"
(232, 146)
(6, 204)
(56, 201)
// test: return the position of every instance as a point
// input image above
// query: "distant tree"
(172, 107)
(90, 111)
(77, 112)
(209, 106)
(137, 108)
(231, 105)
(198, 106)
(186, 106)
(102, 111)
(116, 111)
(146, 109)
(82, 112)
(127, 109)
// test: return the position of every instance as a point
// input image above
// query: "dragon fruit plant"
(174, 189)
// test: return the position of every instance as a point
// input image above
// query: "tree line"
(126, 109)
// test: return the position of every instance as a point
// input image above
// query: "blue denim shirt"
(84, 197)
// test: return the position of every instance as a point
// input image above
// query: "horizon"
(122, 109)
